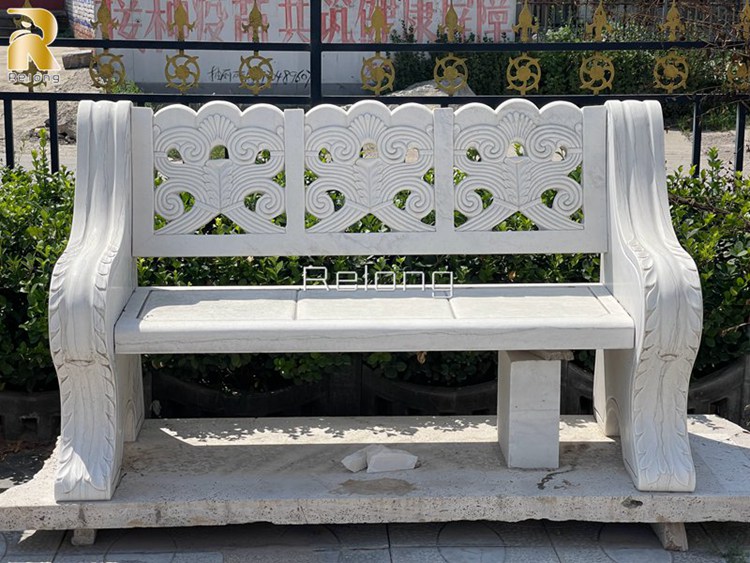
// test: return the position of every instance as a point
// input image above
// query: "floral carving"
(184, 144)
(368, 157)
(518, 153)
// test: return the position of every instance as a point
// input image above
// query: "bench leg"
(82, 537)
(135, 409)
(101, 406)
(643, 398)
(528, 410)
(607, 419)
(672, 535)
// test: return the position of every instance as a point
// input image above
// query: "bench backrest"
(437, 181)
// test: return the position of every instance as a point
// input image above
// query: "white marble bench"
(644, 318)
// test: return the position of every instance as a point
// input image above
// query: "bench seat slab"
(501, 317)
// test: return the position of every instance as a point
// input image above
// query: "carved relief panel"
(518, 159)
(369, 163)
(219, 162)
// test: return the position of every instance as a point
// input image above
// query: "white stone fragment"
(358, 460)
(388, 459)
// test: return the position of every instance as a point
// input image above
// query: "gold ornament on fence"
(106, 70)
(738, 73)
(105, 20)
(450, 72)
(256, 72)
(597, 71)
(524, 72)
(671, 70)
(525, 25)
(378, 73)
(673, 23)
(743, 26)
(182, 71)
(599, 24)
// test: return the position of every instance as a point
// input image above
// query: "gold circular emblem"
(523, 74)
(450, 73)
(671, 72)
(596, 73)
(738, 73)
(182, 72)
(107, 71)
(377, 74)
(256, 73)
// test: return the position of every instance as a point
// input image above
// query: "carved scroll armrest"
(95, 275)
(657, 282)
(646, 268)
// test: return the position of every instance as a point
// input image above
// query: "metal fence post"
(697, 135)
(316, 61)
(745, 396)
(54, 145)
(8, 117)
(739, 138)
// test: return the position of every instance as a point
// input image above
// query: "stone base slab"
(288, 471)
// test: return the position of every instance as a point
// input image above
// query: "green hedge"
(711, 216)
(35, 216)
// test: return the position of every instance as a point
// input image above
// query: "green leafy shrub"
(35, 216)
(411, 67)
(445, 369)
(711, 215)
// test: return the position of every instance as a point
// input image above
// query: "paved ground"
(459, 542)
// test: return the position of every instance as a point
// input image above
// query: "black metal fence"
(317, 48)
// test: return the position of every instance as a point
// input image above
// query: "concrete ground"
(457, 542)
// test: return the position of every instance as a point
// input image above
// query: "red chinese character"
(420, 14)
(494, 15)
(210, 19)
(157, 26)
(126, 12)
(335, 25)
(294, 20)
(497, 18)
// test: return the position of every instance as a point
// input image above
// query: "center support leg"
(528, 408)
(672, 535)
(83, 536)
